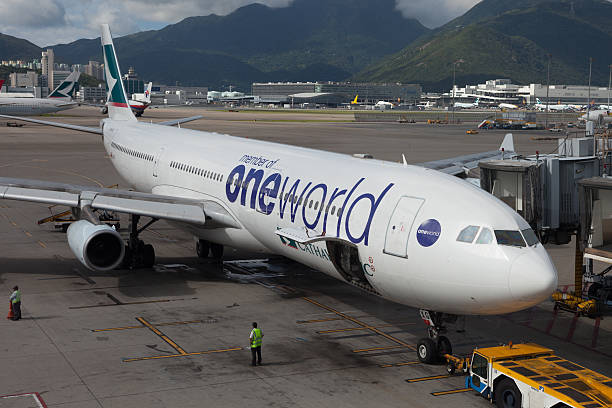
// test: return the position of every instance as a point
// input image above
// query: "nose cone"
(533, 278)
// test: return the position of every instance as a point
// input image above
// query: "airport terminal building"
(343, 92)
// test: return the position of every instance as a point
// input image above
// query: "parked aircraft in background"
(384, 227)
(383, 105)
(137, 104)
(463, 105)
(599, 116)
(354, 101)
(60, 99)
(507, 106)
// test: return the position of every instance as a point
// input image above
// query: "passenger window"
(485, 237)
(510, 238)
(316, 205)
(530, 237)
(333, 209)
(480, 366)
(340, 212)
(300, 202)
(468, 234)
(310, 204)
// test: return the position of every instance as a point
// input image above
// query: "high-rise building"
(95, 69)
(132, 83)
(48, 64)
(28, 79)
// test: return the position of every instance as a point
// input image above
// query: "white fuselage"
(34, 106)
(387, 213)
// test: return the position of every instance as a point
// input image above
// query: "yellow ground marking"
(127, 360)
(457, 391)
(42, 244)
(27, 233)
(142, 327)
(405, 363)
(377, 348)
(352, 319)
(14, 223)
(360, 328)
(162, 335)
(433, 377)
(319, 320)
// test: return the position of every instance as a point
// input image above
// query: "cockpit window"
(510, 238)
(468, 234)
(530, 236)
(485, 237)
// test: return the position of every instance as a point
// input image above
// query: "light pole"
(453, 103)
(547, 87)
(609, 83)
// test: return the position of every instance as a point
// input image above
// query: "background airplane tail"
(117, 102)
(67, 87)
(1, 84)
(147, 93)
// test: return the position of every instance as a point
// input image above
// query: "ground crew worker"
(16, 303)
(255, 342)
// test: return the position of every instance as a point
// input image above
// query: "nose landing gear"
(433, 348)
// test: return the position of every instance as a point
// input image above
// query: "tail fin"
(477, 101)
(147, 93)
(67, 87)
(538, 101)
(355, 100)
(117, 102)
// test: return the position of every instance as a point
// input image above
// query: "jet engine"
(98, 247)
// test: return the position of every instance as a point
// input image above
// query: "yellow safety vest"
(256, 340)
(16, 296)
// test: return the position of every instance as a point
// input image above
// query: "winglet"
(508, 143)
(118, 106)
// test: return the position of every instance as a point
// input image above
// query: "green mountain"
(308, 40)
(508, 39)
(17, 48)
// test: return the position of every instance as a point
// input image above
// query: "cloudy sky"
(48, 22)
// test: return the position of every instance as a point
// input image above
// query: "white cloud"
(434, 13)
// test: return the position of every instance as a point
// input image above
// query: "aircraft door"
(157, 160)
(400, 225)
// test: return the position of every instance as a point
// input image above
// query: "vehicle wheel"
(427, 351)
(148, 256)
(450, 369)
(202, 248)
(65, 227)
(594, 289)
(216, 250)
(507, 394)
(444, 346)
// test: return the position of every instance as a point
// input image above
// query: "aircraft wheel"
(217, 251)
(202, 248)
(148, 256)
(507, 394)
(427, 352)
(444, 346)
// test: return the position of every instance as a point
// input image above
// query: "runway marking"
(162, 335)
(433, 377)
(14, 223)
(405, 363)
(360, 328)
(40, 403)
(319, 320)
(364, 325)
(377, 348)
(142, 326)
(456, 391)
(42, 244)
(197, 353)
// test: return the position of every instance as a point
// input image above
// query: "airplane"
(599, 116)
(507, 106)
(60, 99)
(387, 228)
(138, 106)
(427, 105)
(556, 108)
(463, 105)
(383, 105)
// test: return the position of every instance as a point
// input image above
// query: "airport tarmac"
(177, 335)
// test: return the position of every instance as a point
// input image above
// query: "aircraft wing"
(179, 121)
(205, 213)
(56, 124)
(461, 165)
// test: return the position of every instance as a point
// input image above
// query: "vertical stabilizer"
(117, 102)
(67, 87)
(147, 93)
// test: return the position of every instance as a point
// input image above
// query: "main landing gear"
(137, 253)
(203, 248)
(433, 348)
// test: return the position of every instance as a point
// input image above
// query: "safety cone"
(10, 313)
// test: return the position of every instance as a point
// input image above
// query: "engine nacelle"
(98, 247)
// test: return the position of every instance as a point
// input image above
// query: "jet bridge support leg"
(137, 253)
